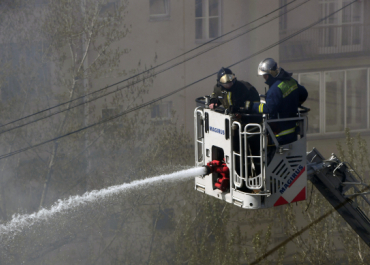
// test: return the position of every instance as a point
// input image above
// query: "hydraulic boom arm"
(343, 188)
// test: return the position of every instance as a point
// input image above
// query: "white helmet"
(268, 66)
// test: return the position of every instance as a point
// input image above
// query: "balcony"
(324, 42)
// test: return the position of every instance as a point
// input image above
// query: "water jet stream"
(19, 222)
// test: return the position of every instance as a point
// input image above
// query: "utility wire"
(105, 120)
(154, 74)
(258, 260)
(173, 92)
(94, 141)
(146, 71)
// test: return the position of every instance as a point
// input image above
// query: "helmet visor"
(263, 72)
(227, 78)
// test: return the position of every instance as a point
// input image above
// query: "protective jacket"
(240, 95)
(282, 100)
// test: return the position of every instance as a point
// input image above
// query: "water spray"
(19, 222)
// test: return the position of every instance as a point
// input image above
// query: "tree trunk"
(48, 175)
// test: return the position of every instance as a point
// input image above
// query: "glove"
(213, 105)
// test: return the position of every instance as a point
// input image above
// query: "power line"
(173, 92)
(141, 73)
(152, 75)
(258, 260)
(217, 46)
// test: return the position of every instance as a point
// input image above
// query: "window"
(108, 9)
(40, 3)
(10, 86)
(356, 81)
(159, 9)
(21, 59)
(162, 111)
(283, 21)
(337, 99)
(311, 82)
(334, 103)
(207, 19)
(343, 31)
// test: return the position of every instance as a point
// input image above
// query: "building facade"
(332, 60)
(204, 34)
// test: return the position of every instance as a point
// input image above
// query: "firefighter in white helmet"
(282, 99)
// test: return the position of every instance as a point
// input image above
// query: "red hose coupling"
(222, 184)
(221, 168)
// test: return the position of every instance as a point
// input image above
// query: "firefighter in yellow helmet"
(231, 93)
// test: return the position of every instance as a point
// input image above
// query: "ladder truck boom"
(341, 187)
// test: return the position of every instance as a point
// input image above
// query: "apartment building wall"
(165, 37)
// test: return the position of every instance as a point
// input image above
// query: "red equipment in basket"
(220, 167)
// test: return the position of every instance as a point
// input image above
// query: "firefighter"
(283, 98)
(231, 93)
(237, 96)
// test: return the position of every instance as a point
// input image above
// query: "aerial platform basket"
(256, 171)
(247, 166)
